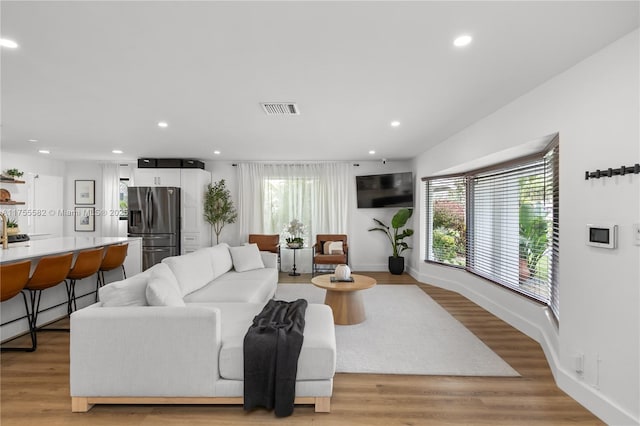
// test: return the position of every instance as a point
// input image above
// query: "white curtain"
(110, 200)
(272, 195)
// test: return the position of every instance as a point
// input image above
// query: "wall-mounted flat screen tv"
(387, 190)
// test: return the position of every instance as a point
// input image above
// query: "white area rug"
(406, 332)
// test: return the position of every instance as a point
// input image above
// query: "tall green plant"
(218, 207)
(398, 221)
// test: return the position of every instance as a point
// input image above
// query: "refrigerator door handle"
(156, 250)
(151, 208)
(147, 199)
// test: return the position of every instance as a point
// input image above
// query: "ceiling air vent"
(280, 108)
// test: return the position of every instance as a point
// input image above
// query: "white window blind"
(511, 230)
(501, 223)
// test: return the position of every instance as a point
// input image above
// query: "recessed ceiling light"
(395, 123)
(216, 152)
(44, 151)
(5, 42)
(163, 124)
(462, 40)
(33, 140)
(372, 152)
(117, 151)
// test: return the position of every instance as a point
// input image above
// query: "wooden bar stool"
(87, 263)
(13, 278)
(113, 258)
(50, 271)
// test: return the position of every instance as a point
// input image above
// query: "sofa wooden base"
(84, 404)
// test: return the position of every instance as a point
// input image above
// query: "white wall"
(594, 107)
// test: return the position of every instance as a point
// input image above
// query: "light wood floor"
(35, 388)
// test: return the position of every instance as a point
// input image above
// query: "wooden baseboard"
(84, 404)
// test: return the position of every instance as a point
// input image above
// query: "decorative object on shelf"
(4, 195)
(85, 219)
(85, 192)
(218, 207)
(295, 230)
(343, 272)
(399, 220)
(14, 173)
(623, 170)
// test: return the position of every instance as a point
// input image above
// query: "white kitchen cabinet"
(157, 177)
(195, 230)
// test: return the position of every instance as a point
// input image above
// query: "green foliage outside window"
(449, 232)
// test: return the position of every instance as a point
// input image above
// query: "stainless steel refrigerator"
(154, 215)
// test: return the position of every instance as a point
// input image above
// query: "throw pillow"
(246, 258)
(129, 292)
(163, 289)
(333, 247)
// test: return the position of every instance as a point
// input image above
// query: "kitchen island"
(53, 305)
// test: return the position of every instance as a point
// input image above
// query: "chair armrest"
(144, 351)
(269, 259)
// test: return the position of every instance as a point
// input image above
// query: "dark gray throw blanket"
(271, 350)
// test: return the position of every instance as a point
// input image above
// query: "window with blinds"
(500, 223)
(446, 209)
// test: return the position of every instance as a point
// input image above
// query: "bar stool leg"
(32, 332)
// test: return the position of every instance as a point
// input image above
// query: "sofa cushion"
(128, 292)
(192, 270)
(317, 359)
(163, 289)
(246, 258)
(255, 286)
(220, 259)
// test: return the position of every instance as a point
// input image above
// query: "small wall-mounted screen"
(599, 235)
(603, 236)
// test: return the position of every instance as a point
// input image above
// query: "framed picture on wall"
(85, 192)
(85, 219)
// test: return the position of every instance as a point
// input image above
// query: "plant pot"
(396, 265)
(13, 231)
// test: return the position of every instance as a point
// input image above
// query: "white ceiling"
(89, 77)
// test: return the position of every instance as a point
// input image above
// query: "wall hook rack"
(635, 169)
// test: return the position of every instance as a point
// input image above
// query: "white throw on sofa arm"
(144, 351)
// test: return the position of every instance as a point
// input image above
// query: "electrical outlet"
(636, 234)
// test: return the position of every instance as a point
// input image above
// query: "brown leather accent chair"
(321, 258)
(267, 242)
(13, 278)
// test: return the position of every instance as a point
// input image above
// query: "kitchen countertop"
(50, 246)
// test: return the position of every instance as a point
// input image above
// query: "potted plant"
(399, 220)
(218, 207)
(295, 230)
(12, 227)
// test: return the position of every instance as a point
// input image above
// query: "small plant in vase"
(295, 230)
(12, 227)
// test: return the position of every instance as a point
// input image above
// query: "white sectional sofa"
(174, 334)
